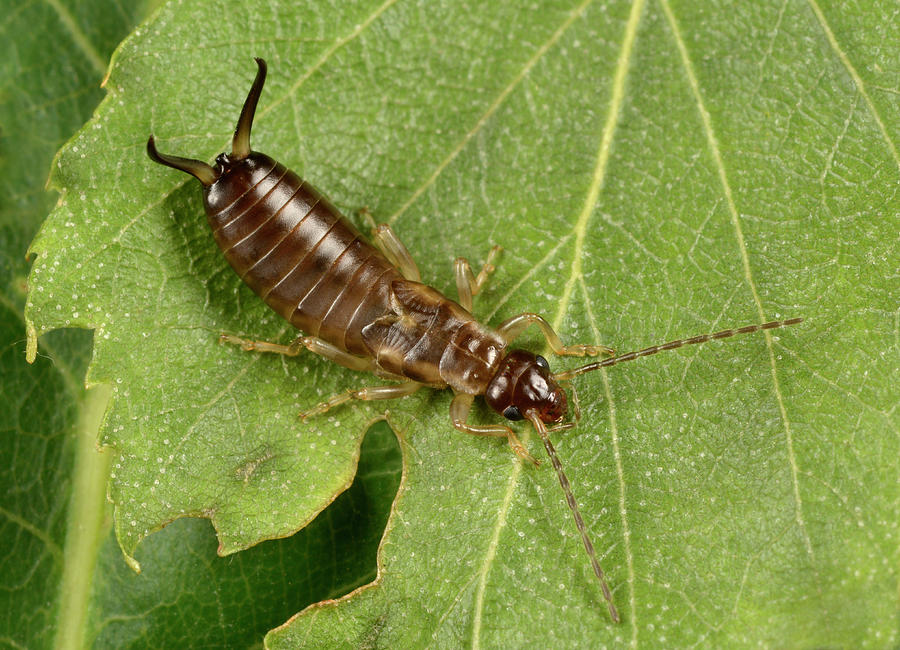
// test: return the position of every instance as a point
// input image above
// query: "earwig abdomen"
(296, 251)
(293, 248)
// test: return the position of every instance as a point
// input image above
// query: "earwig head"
(240, 144)
(524, 383)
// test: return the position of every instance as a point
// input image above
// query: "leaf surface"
(653, 171)
(64, 581)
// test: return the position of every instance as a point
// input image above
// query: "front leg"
(459, 413)
(513, 327)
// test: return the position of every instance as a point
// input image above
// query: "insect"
(362, 304)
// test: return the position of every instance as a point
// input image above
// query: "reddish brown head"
(524, 383)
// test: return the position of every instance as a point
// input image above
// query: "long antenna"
(671, 345)
(573, 506)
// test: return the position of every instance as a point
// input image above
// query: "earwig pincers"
(362, 305)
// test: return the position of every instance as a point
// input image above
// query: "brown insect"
(363, 306)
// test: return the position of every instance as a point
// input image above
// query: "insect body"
(362, 305)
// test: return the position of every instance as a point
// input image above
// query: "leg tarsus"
(519, 449)
(249, 345)
(366, 216)
(576, 407)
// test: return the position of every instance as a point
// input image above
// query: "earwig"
(362, 304)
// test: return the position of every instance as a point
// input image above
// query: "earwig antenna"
(196, 168)
(573, 506)
(671, 345)
(240, 144)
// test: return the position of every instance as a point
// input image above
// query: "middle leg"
(467, 284)
(366, 394)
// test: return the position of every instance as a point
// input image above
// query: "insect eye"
(512, 413)
(542, 362)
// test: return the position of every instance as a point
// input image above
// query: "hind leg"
(311, 343)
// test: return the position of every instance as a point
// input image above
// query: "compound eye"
(542, 362)
(512, 413)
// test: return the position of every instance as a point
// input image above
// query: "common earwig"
(363, 305)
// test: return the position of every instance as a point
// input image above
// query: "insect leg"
(513, 327)
(573, 400)
(467, 284)
(386, 240)
(459, 413)
(398, 255)
(366, 394)
(311, 343)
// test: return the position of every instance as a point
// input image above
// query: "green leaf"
(186, 592)
(653, 171)
(52, 60)
(64, 581)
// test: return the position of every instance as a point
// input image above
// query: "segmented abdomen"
(296, 251)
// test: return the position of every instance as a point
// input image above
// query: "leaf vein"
(532, 270)
(580, 230)
(609, 128)
(326, 55)
(745, 261)
(498, 101)
(204, 408)
(620, 474)
(492, 552)
(857, 80)
(618, 93)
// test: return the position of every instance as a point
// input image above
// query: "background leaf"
(652, 171)
(52, 59)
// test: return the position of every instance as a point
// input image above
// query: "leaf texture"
(652, 170)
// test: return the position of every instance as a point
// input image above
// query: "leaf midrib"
(580, 231)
